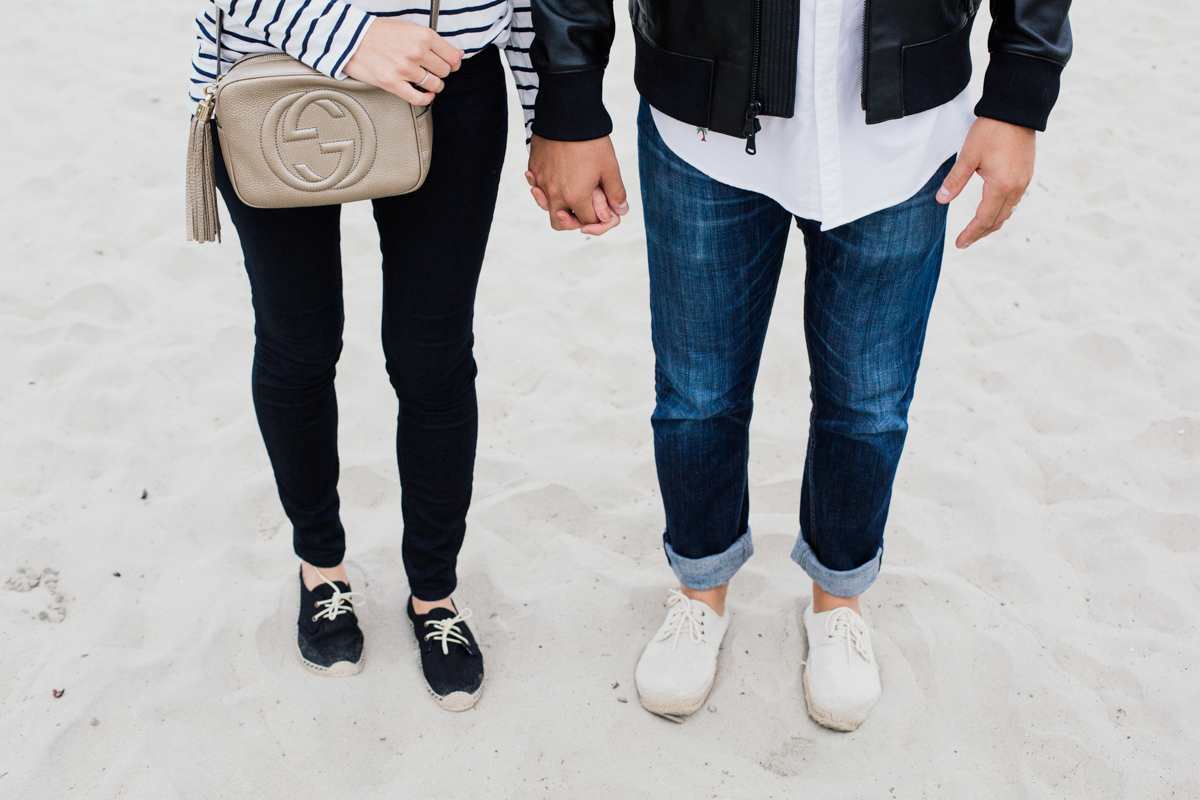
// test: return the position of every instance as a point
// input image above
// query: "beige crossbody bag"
(292, 136)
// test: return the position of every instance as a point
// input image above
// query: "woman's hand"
(401, 56)
(579, 183)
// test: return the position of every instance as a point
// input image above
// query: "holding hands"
(578, 183)
(407, 59)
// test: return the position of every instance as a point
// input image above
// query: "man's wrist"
(1006, 124)
(1019, 90)
(570, 106)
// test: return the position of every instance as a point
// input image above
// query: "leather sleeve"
(1030, 43)
(570, 52)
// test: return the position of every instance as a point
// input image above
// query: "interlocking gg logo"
(304, 129)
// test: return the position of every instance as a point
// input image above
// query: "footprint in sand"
(47, 604)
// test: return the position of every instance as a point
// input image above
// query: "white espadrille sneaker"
(841, 678)
(677, 668)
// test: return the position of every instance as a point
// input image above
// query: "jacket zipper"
(866, 43)
(753, 126)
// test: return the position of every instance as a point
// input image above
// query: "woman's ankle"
(423, 607)
(312, 579)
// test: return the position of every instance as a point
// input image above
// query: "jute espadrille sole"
(455, 701)
(342, 669)
(676, 707)
(825, 718)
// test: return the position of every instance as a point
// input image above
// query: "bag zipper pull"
(752, 127)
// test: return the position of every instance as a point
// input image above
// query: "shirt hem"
(891, 201)
(815, 214)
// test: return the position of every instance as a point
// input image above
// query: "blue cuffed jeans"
(715, 254)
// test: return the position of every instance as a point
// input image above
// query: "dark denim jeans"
(715, 255)
(432, 242)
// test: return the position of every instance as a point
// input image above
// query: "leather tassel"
(203, 220)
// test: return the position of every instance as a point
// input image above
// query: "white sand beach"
(1037, 618)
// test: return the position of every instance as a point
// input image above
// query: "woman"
(432, 242)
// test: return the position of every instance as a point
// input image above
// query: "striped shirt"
(325, 33)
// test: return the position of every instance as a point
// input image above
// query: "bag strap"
(220, 36)
(434, 9)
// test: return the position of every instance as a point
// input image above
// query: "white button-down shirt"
(826, 163)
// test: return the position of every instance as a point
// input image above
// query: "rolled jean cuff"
(845, 583)
(712, 571)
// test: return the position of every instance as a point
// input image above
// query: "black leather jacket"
(720, 64)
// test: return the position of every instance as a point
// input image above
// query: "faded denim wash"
(715, 255)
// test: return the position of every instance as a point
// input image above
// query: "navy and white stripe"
(325, 33)
(517, 49)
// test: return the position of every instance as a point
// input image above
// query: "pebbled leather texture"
(294, 137)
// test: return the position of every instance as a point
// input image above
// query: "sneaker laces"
(447, 631)
(844, 624)
(340, 603)
(682, 616)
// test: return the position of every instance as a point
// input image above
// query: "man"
(845, 115)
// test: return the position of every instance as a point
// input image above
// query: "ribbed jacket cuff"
(570, 106)
(1019, 89)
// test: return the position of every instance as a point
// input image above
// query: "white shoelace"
(447, 631)
(842, 623)
(682, 616)
(340, 603)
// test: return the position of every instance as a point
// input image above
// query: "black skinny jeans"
(432, 241)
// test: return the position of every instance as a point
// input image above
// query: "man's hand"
(579, 183)
(1002, 154)
(407, 59)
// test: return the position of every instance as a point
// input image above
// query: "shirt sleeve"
(517, 51)
(323, 34)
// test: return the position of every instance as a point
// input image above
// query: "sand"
(1036, 619)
